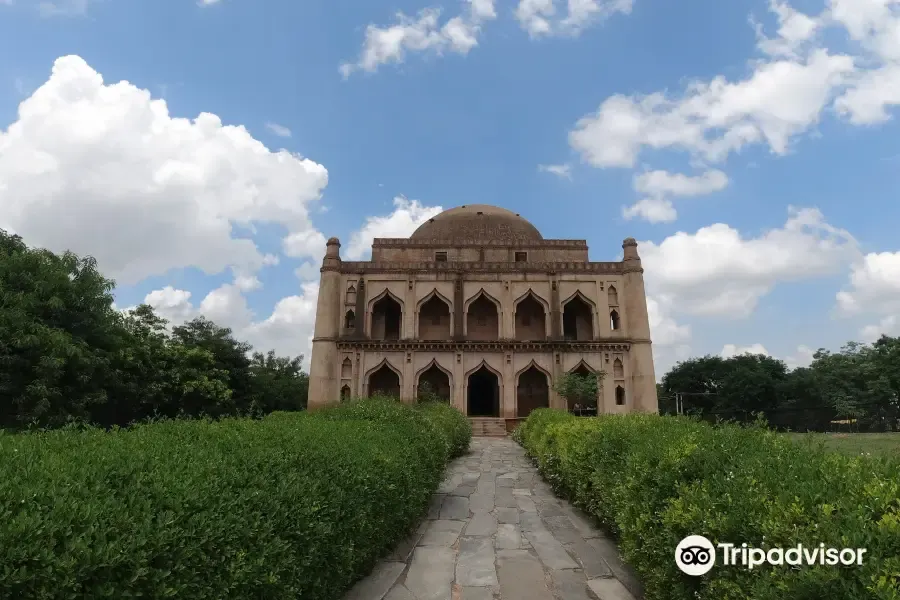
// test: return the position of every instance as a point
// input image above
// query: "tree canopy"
(67, 355)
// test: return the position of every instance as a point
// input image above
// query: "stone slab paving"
(495, 531)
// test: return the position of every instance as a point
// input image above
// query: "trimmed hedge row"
(293, 506)
(653, 480)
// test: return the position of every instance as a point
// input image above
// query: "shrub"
(654, 480)
(292, 506)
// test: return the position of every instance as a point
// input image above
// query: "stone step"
(488, 426)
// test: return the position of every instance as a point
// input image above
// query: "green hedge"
(293, 506)
(653, 480)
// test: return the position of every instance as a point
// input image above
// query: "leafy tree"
(579, 389)
(279, 382)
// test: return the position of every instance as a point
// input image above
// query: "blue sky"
(756, 143)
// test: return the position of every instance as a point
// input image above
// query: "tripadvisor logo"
(696, 555)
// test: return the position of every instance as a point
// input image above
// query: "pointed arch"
(578, 317)
(582, 365)
(392, 387)
(536, 296)
(484, 389)
(530, 317)
(612, 296)
(385, 316)
(536, 366)
(618, 369)
(532, 389)
(484, 363)
(482, 317)
(350, 320)
(346, 369)
(432, 294)
(434, 323)
(345, 393)
(443, 386)
(580, 295)
(385, 293)
(615, 321)
(481, 292)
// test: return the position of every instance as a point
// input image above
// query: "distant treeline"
(857, 388)
(68, 355)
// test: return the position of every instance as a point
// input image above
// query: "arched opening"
(532, 391)
(530, 320)
(614, 320)
(386, 317)
(350, 320)
(584, 407)
(384, 382)
(613, 296)
(346, 369)
(434, 381)
(434, 320)
(618, 369)
(351, 295)
(483, 394)
(620, 395)
(482, 320)
(577, 320)
(345, 393)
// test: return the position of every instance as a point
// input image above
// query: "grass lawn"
(887, 444)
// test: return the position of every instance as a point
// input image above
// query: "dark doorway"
(483, 394)
(434, 381)
(532, 392)
(580, 407)
(345, 393)
(386, 317)
(384, 382)
(577, 320)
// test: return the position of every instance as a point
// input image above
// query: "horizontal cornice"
(483, 346)
(362, 267)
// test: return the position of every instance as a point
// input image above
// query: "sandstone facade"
(479, 308)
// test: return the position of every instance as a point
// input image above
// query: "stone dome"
(477, 222)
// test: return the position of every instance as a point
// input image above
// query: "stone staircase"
(488, 427)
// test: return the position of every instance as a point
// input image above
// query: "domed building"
(477, 307)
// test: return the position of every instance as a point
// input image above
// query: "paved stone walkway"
(496, 531)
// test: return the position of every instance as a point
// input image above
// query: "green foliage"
(295, 505)
(652, 480)
(578, 389)
(859, 383)
(67, 355)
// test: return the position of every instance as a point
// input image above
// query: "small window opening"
(521, 256)
(620, 395)
(614, 320)
(440, 257)
(350, 320)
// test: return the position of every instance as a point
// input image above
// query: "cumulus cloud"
(806, 68)
(422, 33)
(540, 17)
(659, 186)
(716, 271)
(405, 218)
(104, 169)
(874, 290)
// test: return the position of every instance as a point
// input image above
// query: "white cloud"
(540, 18)
(288, 330)
(561, 171)
(806, 69)
(716, 271)
(658, 186)
(302, 244)
(802, 357)
(654, 210)
(730, 350)
(712, 119)
(424, 33)
(104, 170)
(406, 217)
(874, 291)
(279, 130)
